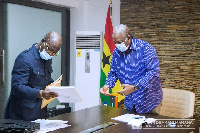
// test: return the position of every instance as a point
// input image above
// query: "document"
(55, 83)
(50, 125)
(66, 94)
(134, 120)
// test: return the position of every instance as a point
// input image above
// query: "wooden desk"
(92, 117)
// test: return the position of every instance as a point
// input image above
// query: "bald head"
(54, 41)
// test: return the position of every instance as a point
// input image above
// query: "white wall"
(90, 15)
(65, 3)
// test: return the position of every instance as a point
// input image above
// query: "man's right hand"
(105, 90)
(48, 94)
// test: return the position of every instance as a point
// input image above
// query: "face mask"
(121, 47)
(44, 55)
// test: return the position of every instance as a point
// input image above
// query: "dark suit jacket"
(30, 74)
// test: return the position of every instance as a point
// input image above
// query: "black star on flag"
(105, 60)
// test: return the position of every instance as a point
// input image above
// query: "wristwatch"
(41, 93)
(135, 87)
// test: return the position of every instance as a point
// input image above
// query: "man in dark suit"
(30, 76)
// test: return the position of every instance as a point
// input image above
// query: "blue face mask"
(121, 47)
(44, 55)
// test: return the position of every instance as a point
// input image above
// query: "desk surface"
(92, 117)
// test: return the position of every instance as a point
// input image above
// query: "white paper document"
(66, 94)
(50, 125)
(134, 120)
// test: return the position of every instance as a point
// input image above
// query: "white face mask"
(121, 47)
(44, 55)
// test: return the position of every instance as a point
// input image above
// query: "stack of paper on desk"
(50, 125)
(66, 94)
(134, 120)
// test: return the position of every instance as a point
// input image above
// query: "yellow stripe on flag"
(106, 51)
(116, 88)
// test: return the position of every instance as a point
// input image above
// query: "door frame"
(65, 27)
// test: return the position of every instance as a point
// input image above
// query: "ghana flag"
(108, 48)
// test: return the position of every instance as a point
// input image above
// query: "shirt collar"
(36, 51)
(133, 44)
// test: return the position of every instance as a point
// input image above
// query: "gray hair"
(121, 29)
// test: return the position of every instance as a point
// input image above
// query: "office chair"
(177, 103)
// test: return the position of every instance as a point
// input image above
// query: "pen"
(138, 117)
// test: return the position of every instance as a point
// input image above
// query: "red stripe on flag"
(108, 32)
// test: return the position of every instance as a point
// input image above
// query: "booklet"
(66, 94)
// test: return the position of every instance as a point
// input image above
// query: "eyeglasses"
(49, 51)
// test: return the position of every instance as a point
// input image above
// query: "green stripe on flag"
(102, 82)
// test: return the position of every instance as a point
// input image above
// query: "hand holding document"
(66, 94)
(55, 83)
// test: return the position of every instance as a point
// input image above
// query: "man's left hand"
(127, 89)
